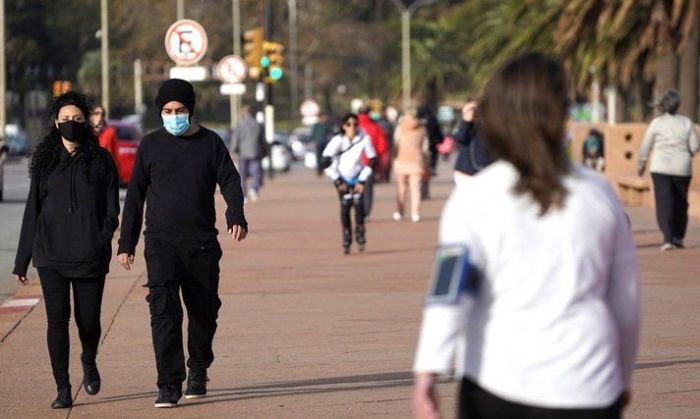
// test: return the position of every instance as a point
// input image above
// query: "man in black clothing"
(177, 169)
(472, 155)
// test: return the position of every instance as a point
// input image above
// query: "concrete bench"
(632, 189)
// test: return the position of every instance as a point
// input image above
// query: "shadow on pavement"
(290, 388)
(649, 365)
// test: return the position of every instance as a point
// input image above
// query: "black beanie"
(176, 90)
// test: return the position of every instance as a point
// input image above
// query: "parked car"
(280, 153)
(16, 140)
(128, 140)
(300, 142)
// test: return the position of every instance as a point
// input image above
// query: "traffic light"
(59, 87)
(273, 60)
(56, 88)
(253, 48)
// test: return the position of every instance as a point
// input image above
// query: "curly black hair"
(46, 156)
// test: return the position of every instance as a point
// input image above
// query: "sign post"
(186, 43)
(232, 70)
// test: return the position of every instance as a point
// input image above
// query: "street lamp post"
(406, 13)
(234, 100)
(180, 9)
(105, 54)
(293, 66)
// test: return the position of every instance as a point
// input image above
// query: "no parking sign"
(186, 42)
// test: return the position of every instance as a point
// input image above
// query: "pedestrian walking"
(249, 146)
(411, 162)
(435, 135)
(672, 141)
(320, 135)
(71, 214)
(176, 172)
(3, 154)
(382, 159)
(472, 155)
(106, 134)
(535, 293)
(343, 159)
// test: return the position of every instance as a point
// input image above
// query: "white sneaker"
(397, 216)
(415, 218)
(667, 246)
(253, 195)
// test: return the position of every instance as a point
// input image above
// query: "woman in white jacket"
(544, 318)
(344, 158)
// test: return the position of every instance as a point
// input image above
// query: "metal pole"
(180, 9)
(269, 110)
(406, 13)
(105, 55)
(2, 95)
(611, 95)
(406, 57)
(293, 65)
(234, 100)
(308, 81)
(138, 87)
(3, 87)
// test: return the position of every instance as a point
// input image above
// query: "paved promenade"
(305, 331)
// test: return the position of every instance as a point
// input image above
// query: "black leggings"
(87, 297)
(347, 201)
(671, 197)
(477, 403)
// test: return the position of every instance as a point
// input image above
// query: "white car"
(280, 154)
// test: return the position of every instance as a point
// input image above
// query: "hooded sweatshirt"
(70, 218)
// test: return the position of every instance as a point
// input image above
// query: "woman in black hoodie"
(71, 214)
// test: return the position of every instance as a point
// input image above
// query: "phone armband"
(453, 276)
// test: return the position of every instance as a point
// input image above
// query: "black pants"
(349, 200)
(319, 157)
(87, 297)
(671, 197)
(477, 403)
(195, 270)
(368, 196)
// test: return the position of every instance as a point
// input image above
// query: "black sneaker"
(168, 396)
(360, 237)
(347, 241)
(196, 384)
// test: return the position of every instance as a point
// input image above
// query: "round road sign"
(186, 42)
(232, 69)
(309, 107)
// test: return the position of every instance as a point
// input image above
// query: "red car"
(128, 140)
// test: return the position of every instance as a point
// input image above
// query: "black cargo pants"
(195, 270)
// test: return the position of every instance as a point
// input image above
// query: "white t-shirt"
(348, 165)
(556, 319)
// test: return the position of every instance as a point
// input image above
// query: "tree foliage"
(352, 48)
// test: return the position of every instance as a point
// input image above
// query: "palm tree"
(626, 41)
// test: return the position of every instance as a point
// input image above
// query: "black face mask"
(73, 131)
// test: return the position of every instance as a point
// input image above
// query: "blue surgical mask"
(176, 124)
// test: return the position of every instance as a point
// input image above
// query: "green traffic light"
(265, 61)
(276, 73)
